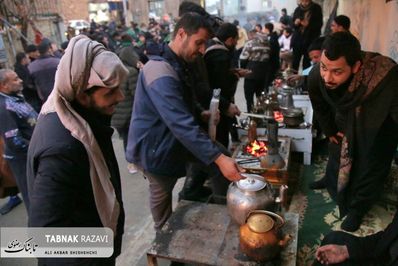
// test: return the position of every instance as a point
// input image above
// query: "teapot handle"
(272, 214)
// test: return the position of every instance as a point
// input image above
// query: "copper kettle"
(260, 237)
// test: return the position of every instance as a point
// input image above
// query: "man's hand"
(297, 22)
(241, 72)
(205, 116)
(233, 110)
(293, 80)
(336, 139)
(229, 168)
(332, 254)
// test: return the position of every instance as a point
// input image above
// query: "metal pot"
(252, 193)
(293, 117)
(260, 237)
(286, 102)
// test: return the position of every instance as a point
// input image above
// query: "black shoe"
(352, 222)
(319, 184)
(11, 204)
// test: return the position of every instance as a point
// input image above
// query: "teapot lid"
(251, 182)
(260, 222)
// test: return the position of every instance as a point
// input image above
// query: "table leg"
(307, 158)
(152, 261)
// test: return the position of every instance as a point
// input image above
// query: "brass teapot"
(260, 237)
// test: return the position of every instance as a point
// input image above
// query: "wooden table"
(203, 234)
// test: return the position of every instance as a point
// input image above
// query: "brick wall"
(74, 9)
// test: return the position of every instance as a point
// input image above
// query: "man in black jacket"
(307, 23)
(354, 96)
(380, 249)
(222, 75)
(73, 175)
(29, 90)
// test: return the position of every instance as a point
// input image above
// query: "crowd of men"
(155, 89)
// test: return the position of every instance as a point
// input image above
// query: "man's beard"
(185, 52)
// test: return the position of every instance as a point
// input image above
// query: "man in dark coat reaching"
(355, 99)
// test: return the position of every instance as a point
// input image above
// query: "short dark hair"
(31, 48)
(44, 46)
(19, 57)
(269, 26)
(341, 44)
(316, 44)
(288, 30)
(284, 10)
(186, 7)
(226, 31)
(343, 21)
(259, 25)
(64, 45)
(191, 23)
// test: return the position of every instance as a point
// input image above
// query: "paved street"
(139, 231)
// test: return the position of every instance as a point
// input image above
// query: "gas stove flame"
(257, 148)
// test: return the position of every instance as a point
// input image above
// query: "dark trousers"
(123, 134)
(300, 49)
(253, 87)
(18, 169)
(223, 129)
(161, 191)
(235, 59)
(332, 169)
(342, 238)
(197, 174)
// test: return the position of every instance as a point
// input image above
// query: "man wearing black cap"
(32, 52)
(43, 70)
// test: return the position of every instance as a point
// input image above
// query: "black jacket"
(308, 34)
(18, 120)
(59, 181)
(219, 68)
(378, 247)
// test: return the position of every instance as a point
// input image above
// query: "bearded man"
(164, 134)
(72, 170)
(355, 99)
(222, 75)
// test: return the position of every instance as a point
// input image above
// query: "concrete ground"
(138, 232)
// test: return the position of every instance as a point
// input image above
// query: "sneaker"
(131, 168)
(13, 201)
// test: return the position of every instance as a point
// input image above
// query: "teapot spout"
(282, 198)
(283, 242)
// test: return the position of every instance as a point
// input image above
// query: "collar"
(13, 96)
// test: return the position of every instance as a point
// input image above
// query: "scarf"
(374, 69)
(86, 64)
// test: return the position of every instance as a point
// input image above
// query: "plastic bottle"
(215, 101)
